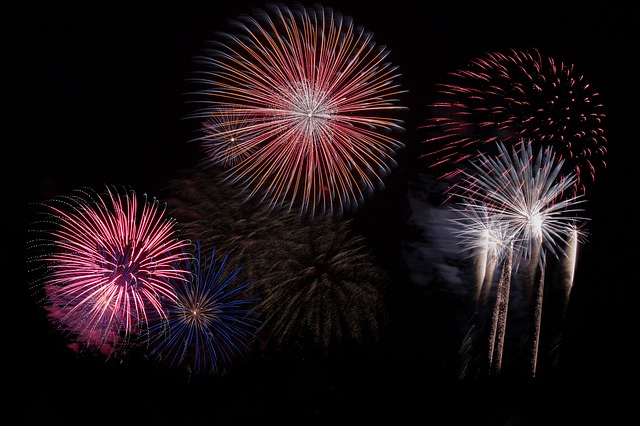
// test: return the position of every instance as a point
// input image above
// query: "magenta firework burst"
(303, 104)
(508, 97)
(109, 262)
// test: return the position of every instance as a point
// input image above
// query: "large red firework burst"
(510, 97)
(300, 103)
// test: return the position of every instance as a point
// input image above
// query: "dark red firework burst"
(511, 97)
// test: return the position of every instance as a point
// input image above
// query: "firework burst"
(527, 192)
(224, 142)
(322, 288)
(109, 263)
(312, 100)
(218, 217)
(212, 322)
(318, 283)
(508, 97)
(520, 200)
(487, 236)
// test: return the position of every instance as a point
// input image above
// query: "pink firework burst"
(314, 102)
(110, 263)
(509, 97)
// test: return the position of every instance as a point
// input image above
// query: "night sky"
(95, 95)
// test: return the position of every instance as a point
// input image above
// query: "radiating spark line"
(109, 264)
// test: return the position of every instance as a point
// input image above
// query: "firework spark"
(312, 100)
(109, 264)
(508, 97)
(212, 322)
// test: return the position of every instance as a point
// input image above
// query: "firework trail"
(526, 194)
(211, 324)
(311, 98)
(565, 278)
(514, 96)
(490, 240)
(499, 319)
(109, 263)
(569, 264)
(537, 320)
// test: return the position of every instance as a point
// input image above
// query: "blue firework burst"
(212, 323)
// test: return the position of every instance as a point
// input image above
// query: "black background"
(94, 95)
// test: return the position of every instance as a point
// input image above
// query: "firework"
(109, 262)
(212, 322)
(214, 214)
(318, 282)
(322, 288)
(225, 140)
(498, 330)
(527, 192)
(520, 199)
(312, 100)
(514, 96)
(487, 237)
(490, 240)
